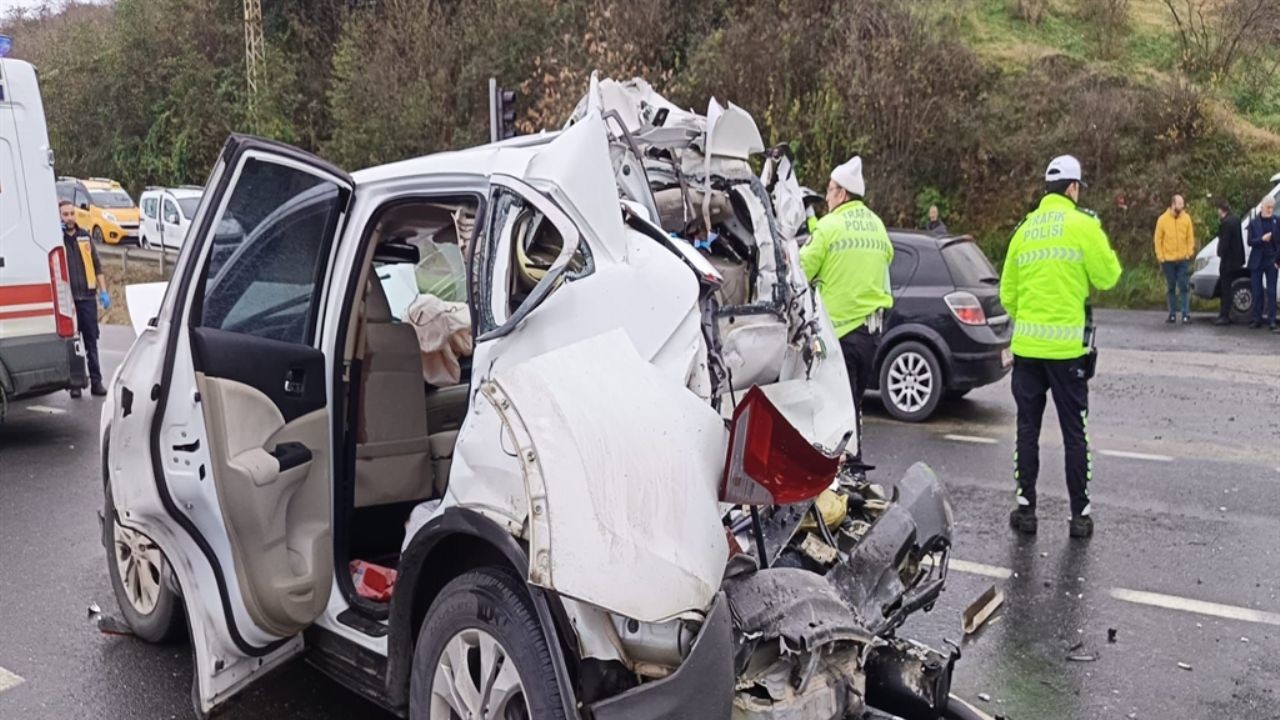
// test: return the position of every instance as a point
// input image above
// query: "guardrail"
(137, 254)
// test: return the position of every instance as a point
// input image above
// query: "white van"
(166, 215)
(1206, 281)
(39, 349)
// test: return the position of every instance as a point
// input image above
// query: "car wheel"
(142, 581)
(911, 382)
(1241, 300)
(481, 654)
(97, 235)
(144, 242)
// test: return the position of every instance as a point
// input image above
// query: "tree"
(1214, 34)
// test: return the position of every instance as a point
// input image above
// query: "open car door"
(229, 385)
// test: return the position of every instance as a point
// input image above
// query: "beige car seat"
(393, 453)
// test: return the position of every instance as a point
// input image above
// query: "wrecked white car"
(601, 504)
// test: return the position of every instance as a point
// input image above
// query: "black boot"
(1081, 526)
(75, 392)
(1023, 519)
(97, 389)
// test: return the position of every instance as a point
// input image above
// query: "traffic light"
(506, 114)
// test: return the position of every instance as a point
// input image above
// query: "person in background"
(848, 260)
(1230, 257)
(88, 288)
(1057, 253)
(1175, 246)
(1264, 234)
(935, 224)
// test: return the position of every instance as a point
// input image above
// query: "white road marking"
(8, 680)
(973, 568)
(1172, 602)
(46, 409)
(1135, 455)
(972, 439)
(1140, 597)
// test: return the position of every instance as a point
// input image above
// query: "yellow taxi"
(103, 208)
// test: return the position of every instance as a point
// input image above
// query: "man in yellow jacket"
(847, 258)
(1175, 247)
(1056, 254)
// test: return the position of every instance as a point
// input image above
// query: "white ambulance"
(39, 349)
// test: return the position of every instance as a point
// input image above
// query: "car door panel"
(237, 492)
(278, 518)
(289, 375)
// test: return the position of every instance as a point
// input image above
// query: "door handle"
(294, 381)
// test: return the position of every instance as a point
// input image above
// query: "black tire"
(97, 235)
(492, 600)
(914, 403)
(1240, 295)
(165, 622)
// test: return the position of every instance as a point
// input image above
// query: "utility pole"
(255, 60)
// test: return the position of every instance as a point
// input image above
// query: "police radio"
(1089, 363)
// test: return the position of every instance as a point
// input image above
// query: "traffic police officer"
(1056, 253)
(848, 257)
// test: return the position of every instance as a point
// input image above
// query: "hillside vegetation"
(954, 102)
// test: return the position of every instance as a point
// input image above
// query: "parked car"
(103, 208)
(166, 215)
(271, 426)
(40, 351)
(1206, 280)
(947, 333)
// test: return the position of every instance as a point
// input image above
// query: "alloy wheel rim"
(138, 562)
(1243, 299)
(475, 679)
(910, 382)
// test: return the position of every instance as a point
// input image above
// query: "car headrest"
(376, 307)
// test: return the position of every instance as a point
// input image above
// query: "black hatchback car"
(947, 333)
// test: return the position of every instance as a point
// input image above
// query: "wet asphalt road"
(1188, 511)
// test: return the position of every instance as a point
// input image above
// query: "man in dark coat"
(1230, 257)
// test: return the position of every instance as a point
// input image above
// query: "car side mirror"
(84, 206)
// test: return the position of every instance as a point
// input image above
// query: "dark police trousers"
(859, 349)
(87, 321)
(1032, 378)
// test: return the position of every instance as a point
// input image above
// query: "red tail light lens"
(966, 308)
(770, 462)
(64, 308)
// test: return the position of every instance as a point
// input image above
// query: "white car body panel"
(143, 300)
(631, 530)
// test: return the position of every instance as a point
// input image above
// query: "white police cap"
(1064, 167)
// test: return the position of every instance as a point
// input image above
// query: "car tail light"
(967, 309)
(769, 461)
(64, 308)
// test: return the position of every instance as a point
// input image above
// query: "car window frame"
(165, 204)
(902, 250)
(195, 312)
(483, 267)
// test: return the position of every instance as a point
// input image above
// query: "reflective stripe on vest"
(1054, 254)
(1042, 331)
